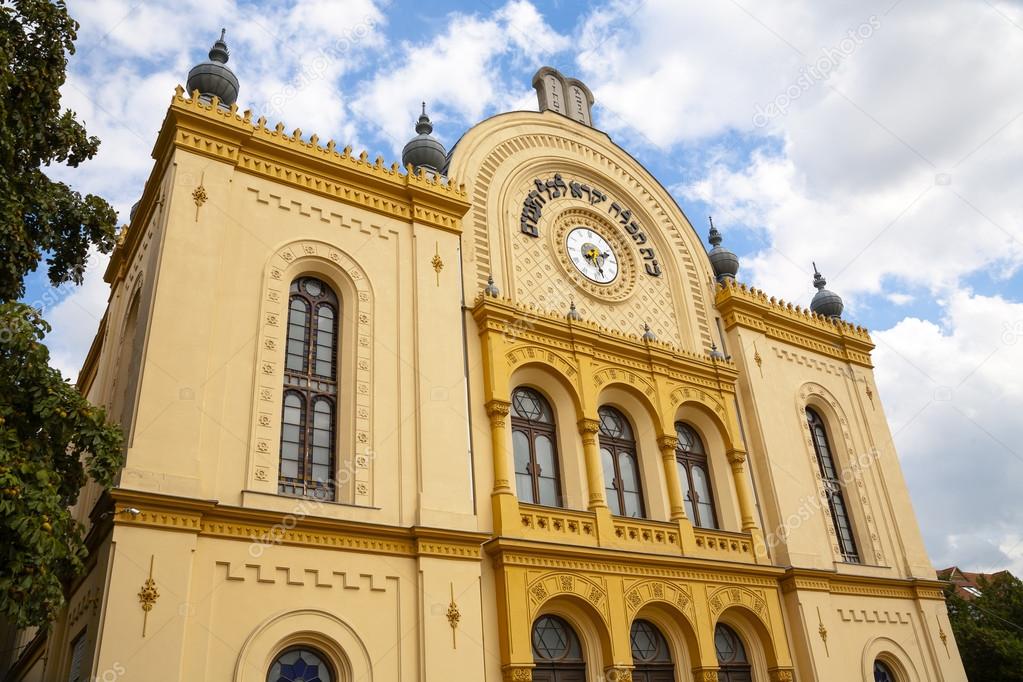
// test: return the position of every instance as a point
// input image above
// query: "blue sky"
(879, 139)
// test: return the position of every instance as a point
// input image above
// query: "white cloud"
(457, 72)
(952, 395)
(891, 172)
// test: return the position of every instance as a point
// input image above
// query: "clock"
(592, 255)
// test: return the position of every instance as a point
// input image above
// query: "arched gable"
(502, 157)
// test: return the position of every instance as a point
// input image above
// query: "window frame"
(685, 460)
(833, 487)
(531, 429)
(311, 389)
(618, 447)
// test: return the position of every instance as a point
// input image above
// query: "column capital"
(781, 674)
(705, 674)
(667, 445)
(497, 410)
(587, 425)
(517, 673)
(736, 456)
(618, 673)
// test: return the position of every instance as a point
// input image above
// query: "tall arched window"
(650, 654)
(833, 487)
(556, 652)
(694, 476)
(309, 415)
(300, 664)
(621, 469)
(534, 439)
(882, 673)
(732, 659)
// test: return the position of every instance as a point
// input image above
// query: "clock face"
(592, 255)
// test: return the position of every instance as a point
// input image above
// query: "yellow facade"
(428, 566)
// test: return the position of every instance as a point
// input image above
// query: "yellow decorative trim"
(942, 635)
(226, 135)
(453, 615)
(861, 586)
(549, 333)
(207, 518)
(199, 196)
(718, 544)
(436, 262)
(823, 632)
(744, 306)
(148, 595)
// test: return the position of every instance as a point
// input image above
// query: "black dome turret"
(213, 78)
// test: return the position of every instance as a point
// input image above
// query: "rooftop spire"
(724, 262)
(826, 303)
(424, 150)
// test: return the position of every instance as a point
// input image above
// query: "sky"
(881, 140)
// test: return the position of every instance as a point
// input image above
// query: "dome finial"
(818, 279)
(724, 262)
(424, 126)
(219, 52)
(213, 78)
(714, 237)
(826, 303)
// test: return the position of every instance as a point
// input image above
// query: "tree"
(989, 629)
(51, 438)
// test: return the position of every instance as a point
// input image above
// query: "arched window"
(882, 673)
(621, 469)
(534, 439)
(833, 487)
(650, 654)
(556, 652)
(694, 476)
(309, 415)
(732, 659)
(300, 664)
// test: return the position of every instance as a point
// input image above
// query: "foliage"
(989, 629)
(39, 215)
(51, 438)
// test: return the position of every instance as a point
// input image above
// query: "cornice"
(861, 586)
(224, 134)
(582, 336)
(745, 306)
(208, 518)
(538, 554)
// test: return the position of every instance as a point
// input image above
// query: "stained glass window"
(882, 673)
(300, 665)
